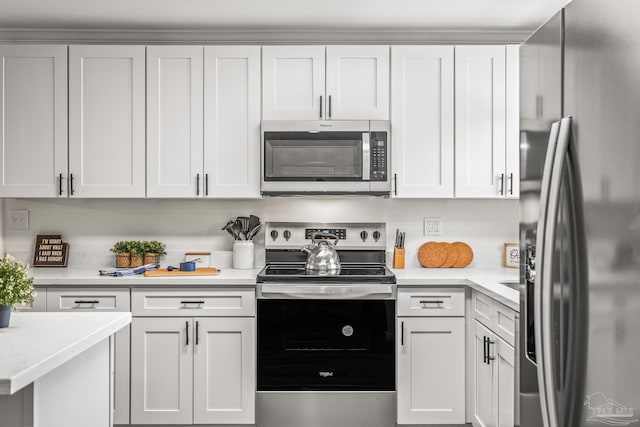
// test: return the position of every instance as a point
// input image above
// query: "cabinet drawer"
(193, 302)
(430, 302)
(482, 309)
(505, 326)
(88, 299)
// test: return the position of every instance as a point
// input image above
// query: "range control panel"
(293, 235)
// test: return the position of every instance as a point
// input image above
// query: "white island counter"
(56, 369)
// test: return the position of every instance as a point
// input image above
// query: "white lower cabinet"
(493, 356)
(431, 359)
(195, 369)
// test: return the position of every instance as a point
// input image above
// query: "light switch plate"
(18, 219)
(433, 226)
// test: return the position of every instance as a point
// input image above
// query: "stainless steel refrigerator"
(580, 218)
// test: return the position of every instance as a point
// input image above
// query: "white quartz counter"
(35, 344)
(485, 280)
(90, 277)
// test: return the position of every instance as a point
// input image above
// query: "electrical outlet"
(433, 226)
(18, 219)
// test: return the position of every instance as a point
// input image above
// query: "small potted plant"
(153, 250)
(15, 287)
(137, 253)
(123, 254)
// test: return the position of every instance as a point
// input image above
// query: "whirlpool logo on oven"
(325, 374)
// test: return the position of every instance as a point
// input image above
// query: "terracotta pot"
(137, 260)
(123, 260)
(151, 258)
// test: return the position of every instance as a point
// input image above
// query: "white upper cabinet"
(422, 125)
(480, 121)
(357, 82)
(33, 121)
(293, 82)
(174, 121)
(107, 121)
(232, 120)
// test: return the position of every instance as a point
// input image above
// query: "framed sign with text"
(50, 251)
(511, 255)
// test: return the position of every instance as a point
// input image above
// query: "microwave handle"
(366, 157)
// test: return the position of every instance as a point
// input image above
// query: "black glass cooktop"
(348, 274)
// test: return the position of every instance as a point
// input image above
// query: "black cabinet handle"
(206, 184)
(320, 106)
(71, 191)
(489, 357)
(191, 302)
(60, 185)
(197, 184)
(329, 106)
(395, 183)
(197, 332)
(82, 301)
(501, 179)
(401, 333)
(511, 183)
(186, 328)
(484, 350)
(437, 301)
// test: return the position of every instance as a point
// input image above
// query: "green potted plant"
(153, 250)
(137, 253)
(15, 287)
(123, 253)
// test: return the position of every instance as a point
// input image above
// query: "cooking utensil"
(254, 221)
(237, 229)
(254, 232)
(184, 266)
(322, 256)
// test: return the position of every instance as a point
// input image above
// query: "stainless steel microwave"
(325, 157)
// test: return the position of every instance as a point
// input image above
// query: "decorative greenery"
(15, 286)
(139, 247)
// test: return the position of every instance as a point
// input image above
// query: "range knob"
(287, 235)
(376, 235)
(364, 235)
(274, 234)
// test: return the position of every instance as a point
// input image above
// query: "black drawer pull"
(484, 350)
(401, 333)
(191, 302)
(437, 301)
(186, 330)
(197, 332)
(84, 301)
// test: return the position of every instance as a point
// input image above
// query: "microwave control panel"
(378, 156)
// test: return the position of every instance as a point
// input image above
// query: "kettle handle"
(324, 236)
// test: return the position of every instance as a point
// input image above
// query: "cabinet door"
(162, 370)
(422, 120)
(33, 121)
(504, 383)
(358, 82)
(225, 371)
(431, 370)
(232, 126)
(174, 121)
(480, 121)
(483, 383)
(512, 123)
(293, 82)
(107, 121)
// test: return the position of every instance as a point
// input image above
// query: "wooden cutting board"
(163, 272)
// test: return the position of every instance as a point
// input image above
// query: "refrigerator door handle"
(546, 291)
(540, 239)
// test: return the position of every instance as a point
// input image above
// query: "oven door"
(322, 157)
(326, 345)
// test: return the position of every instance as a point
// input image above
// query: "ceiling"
(395, 15)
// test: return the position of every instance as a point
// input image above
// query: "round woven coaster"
(465, 254)
(452, 256)
(432, 254)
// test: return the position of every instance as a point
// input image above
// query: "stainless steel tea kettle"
(322, 256)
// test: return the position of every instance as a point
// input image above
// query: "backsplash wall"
(91, 226)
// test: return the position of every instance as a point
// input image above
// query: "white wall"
(92, 226)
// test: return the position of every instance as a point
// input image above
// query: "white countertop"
(485, 280)
(35, 344)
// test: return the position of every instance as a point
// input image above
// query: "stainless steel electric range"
(326, 354)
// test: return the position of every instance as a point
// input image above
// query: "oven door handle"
(338, 291)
